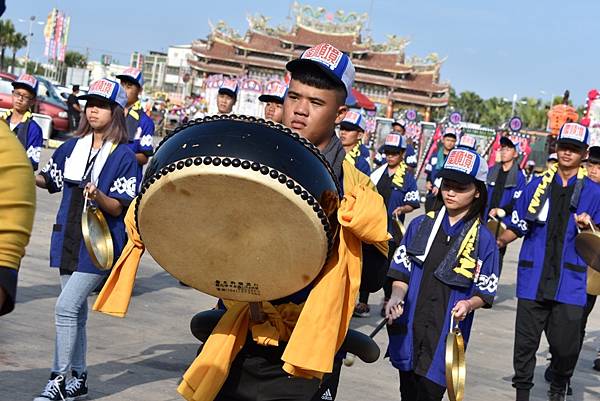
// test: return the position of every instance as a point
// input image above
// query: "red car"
(48, 101)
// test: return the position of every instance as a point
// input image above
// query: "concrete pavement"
(142, 357)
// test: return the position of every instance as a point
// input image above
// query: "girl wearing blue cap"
(20, 118)
(446, 265)
(96, 163)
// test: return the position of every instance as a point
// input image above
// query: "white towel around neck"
(76, 163)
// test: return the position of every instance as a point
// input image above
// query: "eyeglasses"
(21, 96)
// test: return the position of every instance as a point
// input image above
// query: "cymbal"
(97, 237)
(587, 245)
(456, 368)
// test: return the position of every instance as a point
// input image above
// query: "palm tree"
(18, 42)
(7, 30)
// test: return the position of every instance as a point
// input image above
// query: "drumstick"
(349, 360)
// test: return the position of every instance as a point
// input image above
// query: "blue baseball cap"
(467, 142)
(229, 87)
(275, 93)
(27, 82)
(574, 134)
(394, 143)
(107, 90)
(353, 121)
(464, 166)
(133, 75)
(335, 63)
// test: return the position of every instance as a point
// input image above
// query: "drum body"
(238, 208)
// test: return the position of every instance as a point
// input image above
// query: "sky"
(495, 48)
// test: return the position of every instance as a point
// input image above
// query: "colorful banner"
(49, 31)
(56, 33)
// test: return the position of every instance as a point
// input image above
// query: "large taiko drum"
(239, 208)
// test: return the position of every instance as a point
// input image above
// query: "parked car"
(48, 101)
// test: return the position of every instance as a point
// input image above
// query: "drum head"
(97, 238)
(234, 233)
(455, 365)
(587, 244)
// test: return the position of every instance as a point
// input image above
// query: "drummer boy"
(551, 278)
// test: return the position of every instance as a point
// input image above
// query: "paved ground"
(142, 357)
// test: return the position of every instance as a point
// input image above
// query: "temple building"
(384, 73)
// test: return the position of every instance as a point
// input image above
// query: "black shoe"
(569, 389)
(554, 395)
(597, 363)
(55, 389)
(77, 387)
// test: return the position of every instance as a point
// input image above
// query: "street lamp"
(32, 20)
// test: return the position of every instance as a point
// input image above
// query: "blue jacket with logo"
(511, 192)
(117, 180)
(400, 348)
(573, 274)
(30, 135)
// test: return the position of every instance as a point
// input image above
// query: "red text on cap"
(460, 160)
(324, 53)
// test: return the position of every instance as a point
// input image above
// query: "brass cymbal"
(456, 368)
(97, 237)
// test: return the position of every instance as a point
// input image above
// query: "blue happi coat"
(409, 269)
(573, 270)
(118, 179)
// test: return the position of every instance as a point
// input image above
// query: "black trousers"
(419, 388)
(363, 295)
(256, 374)
(562, 324)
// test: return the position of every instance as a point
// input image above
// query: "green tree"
(7, 31)
(469, 104)
(75, 59)
(18, 42)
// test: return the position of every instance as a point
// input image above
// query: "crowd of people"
(445, 265)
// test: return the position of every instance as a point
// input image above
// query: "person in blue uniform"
(140, 127)
(410, 155)
(447, 264)
(20, 119)
(98, 164)
(435, 164)
(352, 129)
(227, 96)
(400, 194)
(273, 99)
(551, 276)
(505, 182)
(466, 141)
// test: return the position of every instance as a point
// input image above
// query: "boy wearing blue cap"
(400, 194)
(435, 164)
(20, 119)
(445, 268)
(505, 182)
(551, 280)
(352, 129)
(98, 166)
(140, 127)
(410, 156)
(320, 81)
(227, 96)
(274, 97)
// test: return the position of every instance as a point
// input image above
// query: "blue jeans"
(71, 313)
